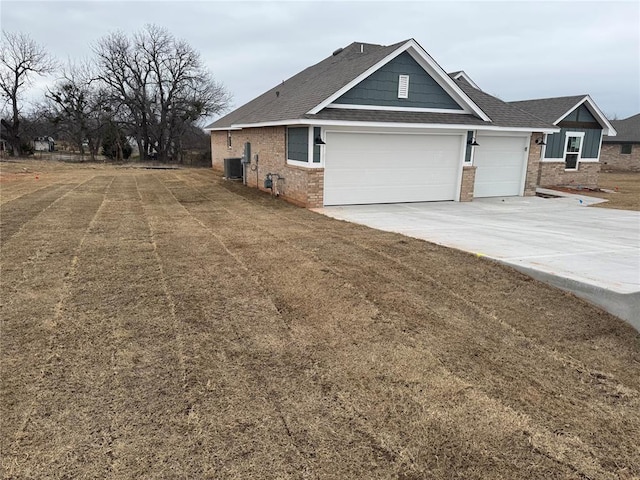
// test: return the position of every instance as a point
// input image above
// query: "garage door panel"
(387, 168)
(500, 164)
(367, 195)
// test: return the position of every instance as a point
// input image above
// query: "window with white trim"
(573, 149)
(403, 86)
(228, 138)
(304, 146)
(468, 154)
(298, 144)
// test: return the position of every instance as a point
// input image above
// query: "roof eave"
(463, 74)
(616, 141)
(461, 126)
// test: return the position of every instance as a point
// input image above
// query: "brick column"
(533, 166)
(468, 180)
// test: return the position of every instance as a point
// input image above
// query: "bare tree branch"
(161, 84)
(21, 58)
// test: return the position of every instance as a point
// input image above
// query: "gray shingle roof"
(548, 109)
(628, 130)
(397, 117)
(300, 93)
(502, 114)
(296, 96)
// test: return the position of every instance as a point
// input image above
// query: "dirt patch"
(168, 321)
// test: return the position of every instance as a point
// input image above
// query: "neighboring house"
(572, 155)
(622, 152)
(44, 144)
(382, 124)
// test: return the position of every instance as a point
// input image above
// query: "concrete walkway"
(593, 252)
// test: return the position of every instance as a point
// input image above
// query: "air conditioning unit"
(233, 168)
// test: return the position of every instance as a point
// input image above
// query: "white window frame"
(403, 86)
(473, 149)
(228, 139)
(579, 152)
(310, 144)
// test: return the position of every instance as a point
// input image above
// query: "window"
(298, 144)
(228, 138)
(626, 149)
(317, 133)
(303, 149)
(572, 149)
(469, 150)
(403, 86)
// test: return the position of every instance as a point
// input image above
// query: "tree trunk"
(15, 128)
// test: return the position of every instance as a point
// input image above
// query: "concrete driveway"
(593, 252)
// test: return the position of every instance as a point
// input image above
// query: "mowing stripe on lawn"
(332, 249)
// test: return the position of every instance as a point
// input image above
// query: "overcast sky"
(514, 50)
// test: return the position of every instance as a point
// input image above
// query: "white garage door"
(500, 164)
(365, 168)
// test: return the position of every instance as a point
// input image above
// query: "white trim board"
(304, 121)
(464, 75)
(345, 106)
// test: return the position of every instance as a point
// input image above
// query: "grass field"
(625, 187)
(169, 324)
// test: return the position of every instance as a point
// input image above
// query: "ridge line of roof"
(564, 97)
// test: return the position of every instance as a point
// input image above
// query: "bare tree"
(78, 107)
(160, 87)
(124, 74)
(20, 59)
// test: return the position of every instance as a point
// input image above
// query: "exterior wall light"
(318, 141)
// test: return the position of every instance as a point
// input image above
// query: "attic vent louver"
(403, 86)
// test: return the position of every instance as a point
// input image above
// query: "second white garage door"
(500, 164)
(363, 168)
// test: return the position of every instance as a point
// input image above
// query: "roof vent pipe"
(336, 52)
(361, 48)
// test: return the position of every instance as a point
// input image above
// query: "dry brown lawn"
(626, 190)
(168, 324)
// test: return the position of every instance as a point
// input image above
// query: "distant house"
(622, 152)
(386, 124)
(44, 144)
(572, 155)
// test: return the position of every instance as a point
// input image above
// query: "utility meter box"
(246, 154)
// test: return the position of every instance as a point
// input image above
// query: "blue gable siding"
(381, 88)
(580, 114)
(590, 147)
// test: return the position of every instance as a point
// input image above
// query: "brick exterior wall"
(613, 161)
(553, 174)
(468, 181)
(532, 177)
(305, 186)
(300, 186)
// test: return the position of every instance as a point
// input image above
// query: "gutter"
(299, 121)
